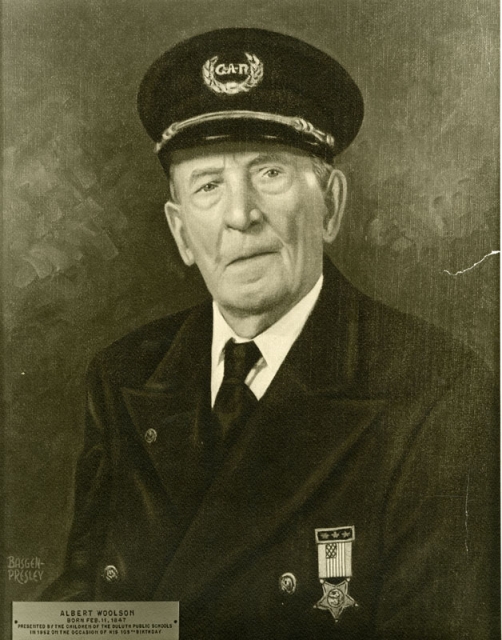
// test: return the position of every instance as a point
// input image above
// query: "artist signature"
(23, 569)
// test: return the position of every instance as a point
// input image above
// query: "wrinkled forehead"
(235, 154)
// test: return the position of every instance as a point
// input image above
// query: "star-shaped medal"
(335, 598)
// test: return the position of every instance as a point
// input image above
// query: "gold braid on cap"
(299, 124)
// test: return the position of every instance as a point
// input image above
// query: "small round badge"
(335, 598)
(111, 573)
(287, 583)
(150, 436)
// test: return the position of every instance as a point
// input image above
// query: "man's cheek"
(283, 221)
(204, 252)
(291, 231)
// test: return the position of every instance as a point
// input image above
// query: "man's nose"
(242, 210)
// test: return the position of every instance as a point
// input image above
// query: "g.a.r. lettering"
(227, 69)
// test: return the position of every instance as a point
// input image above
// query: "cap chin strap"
(299, 124)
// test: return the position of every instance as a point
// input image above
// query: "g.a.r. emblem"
(335, 598)
(253, 72)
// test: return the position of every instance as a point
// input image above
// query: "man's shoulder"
(131, 359)
(400, 350)
(412, 353)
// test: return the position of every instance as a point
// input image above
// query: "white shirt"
(274, 344)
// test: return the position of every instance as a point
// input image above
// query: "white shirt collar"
(274, 343)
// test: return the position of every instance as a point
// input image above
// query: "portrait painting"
(258, 377)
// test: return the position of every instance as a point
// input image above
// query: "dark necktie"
(235, 401)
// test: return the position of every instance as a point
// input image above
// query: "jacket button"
(110, 573)
(287, 583)
(151, 436)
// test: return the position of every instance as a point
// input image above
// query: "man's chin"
(247, 300)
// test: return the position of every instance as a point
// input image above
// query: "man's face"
(252, 218)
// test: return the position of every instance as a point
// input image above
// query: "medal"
(334, 554)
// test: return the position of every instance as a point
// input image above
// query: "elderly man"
(290, 459)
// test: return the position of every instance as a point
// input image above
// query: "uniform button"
(287, 583)
(151, 436)
(111, 573)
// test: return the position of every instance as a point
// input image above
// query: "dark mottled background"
(88, 255)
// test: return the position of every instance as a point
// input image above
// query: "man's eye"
(272, 173)
(210, 186)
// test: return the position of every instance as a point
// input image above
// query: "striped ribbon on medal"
(334, 551)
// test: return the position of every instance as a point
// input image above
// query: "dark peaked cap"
(249, 84)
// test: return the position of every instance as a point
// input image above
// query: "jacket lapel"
(168, 412)
(306, 423)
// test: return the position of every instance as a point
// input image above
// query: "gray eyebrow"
(198, 173)
(268, 157)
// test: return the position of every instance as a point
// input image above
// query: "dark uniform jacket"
(375, 420)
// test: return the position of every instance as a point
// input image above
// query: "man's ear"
(336, 197)
(175, 222)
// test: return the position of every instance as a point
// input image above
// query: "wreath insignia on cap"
(254, 76)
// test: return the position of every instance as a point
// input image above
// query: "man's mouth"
(249, 256)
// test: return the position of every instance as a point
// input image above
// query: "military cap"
(249, 84)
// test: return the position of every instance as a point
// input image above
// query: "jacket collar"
(183, 366)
